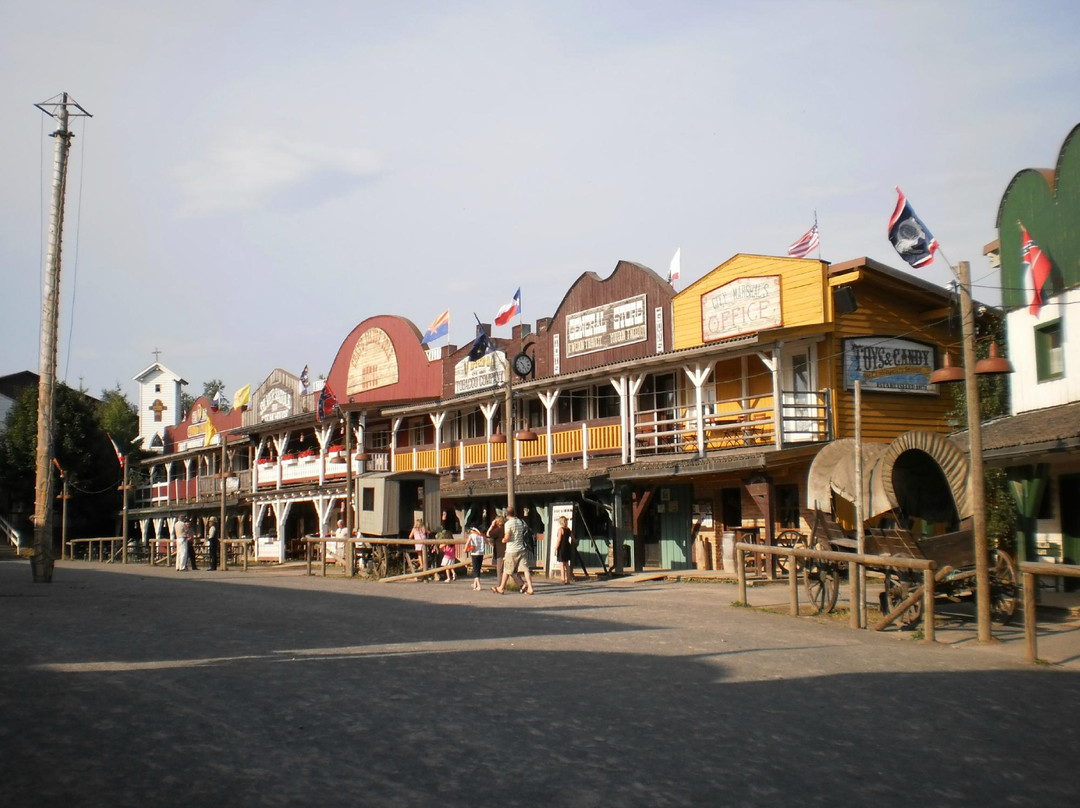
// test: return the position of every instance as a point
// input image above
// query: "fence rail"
(1030, 572)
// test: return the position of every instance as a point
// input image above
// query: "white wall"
(1028, 393)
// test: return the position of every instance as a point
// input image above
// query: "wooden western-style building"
(653, 418)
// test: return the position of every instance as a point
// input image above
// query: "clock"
(523, 364)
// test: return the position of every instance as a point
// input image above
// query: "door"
(798, 396)
(675, 511)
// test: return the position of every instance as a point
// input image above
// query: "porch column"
(437, 419)
(697, 377)
(395, 426)
(633, 385)
(548, 400)
(489, 409)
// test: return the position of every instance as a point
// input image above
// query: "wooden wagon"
(953, 552)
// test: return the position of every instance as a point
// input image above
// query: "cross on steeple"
(156, 353)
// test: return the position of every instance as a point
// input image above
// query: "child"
(475, 546)
(449, 558)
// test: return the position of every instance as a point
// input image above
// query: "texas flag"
(507, 312)
(1037, 268)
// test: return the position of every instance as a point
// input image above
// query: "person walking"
(517, 555)
(475, 546)
(449, 555)
(419, 535)
(564, 550)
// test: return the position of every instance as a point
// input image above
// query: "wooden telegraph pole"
(43, 559)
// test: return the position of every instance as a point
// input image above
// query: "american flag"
(805, 245)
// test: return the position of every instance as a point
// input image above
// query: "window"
(573, 405)
(418, 433)
(607, 401)
(1049, 351)
(157, 388)
(474, 425)
(731, 507)
(377, 440)
(368, 497)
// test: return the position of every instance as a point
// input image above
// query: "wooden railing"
(1030, 572)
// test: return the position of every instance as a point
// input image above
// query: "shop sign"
(888, 364)
(275, 404)
(487, 372)
(606, 326)
(373, 363)
(744, 306)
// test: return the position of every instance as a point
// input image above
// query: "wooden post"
(976, 477)
(740, 565)
(1031, 640)
(793, 586)
(307, 555)
(350, 547)
(928, 605)
(860, 530)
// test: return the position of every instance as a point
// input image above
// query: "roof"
(1028, 434)
(160, 368)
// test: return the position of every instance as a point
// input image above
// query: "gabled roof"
(160, 368)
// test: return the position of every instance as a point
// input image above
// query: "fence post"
(740, 565)
(1031, 651)
(793, 585)
(855, 595)
(928, 604)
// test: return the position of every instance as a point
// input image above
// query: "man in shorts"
(517, 555)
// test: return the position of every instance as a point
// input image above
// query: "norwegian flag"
(119, 455)
(327, 402)
(805, 245)
(1037, 268)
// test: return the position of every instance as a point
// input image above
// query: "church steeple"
(159, 402)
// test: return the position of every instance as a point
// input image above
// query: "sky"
(260, 177)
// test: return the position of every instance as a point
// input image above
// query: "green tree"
(82, 450)
(993, 403)
(212, 388)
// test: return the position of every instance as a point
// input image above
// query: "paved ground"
(128, 686)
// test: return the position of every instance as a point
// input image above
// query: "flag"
(242, 399)
(119, 454)
(1037, 268)
(805, 245)
(219, 401)
(327, 402)
(210, 432)
(507, 312)
(675, 267)
(910, 237)
(481, 347)
(305, 380)
(438, 329)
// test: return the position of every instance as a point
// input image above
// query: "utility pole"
(508, 415)
(43, 559)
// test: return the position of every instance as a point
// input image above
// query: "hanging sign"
(487, 372)
(888, 365)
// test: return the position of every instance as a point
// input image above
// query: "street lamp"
(976, 477)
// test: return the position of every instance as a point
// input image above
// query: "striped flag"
(438, 329)
(119, 455)
(1037, 268)
(675, 267)
(911, 238)
(507, 312)
(805, 245)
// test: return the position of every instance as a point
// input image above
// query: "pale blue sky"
(260, 177)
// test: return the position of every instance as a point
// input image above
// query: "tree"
(993, 403)
(82, 450)
(212, 388)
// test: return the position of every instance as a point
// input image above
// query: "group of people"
(508, 535)
(185, 547)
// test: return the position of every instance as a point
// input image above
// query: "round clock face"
(523, 364)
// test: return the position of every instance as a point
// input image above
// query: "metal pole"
(63, 517)
(976, 477)
(222, 533)
(42, 560)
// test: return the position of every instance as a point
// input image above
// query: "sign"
(373, 363)
(557, 509)
(555, 354)
(607, 326)
(743, 306)
(275, 404)
(889, 365)
(658, 320)
(487, 372)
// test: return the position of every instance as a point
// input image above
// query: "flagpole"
(818, 231)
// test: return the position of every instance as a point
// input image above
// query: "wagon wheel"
(1004, 593)
(821, 580)
(789, 538)
(899, 583)
(375, 564)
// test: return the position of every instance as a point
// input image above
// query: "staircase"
(11, 540)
